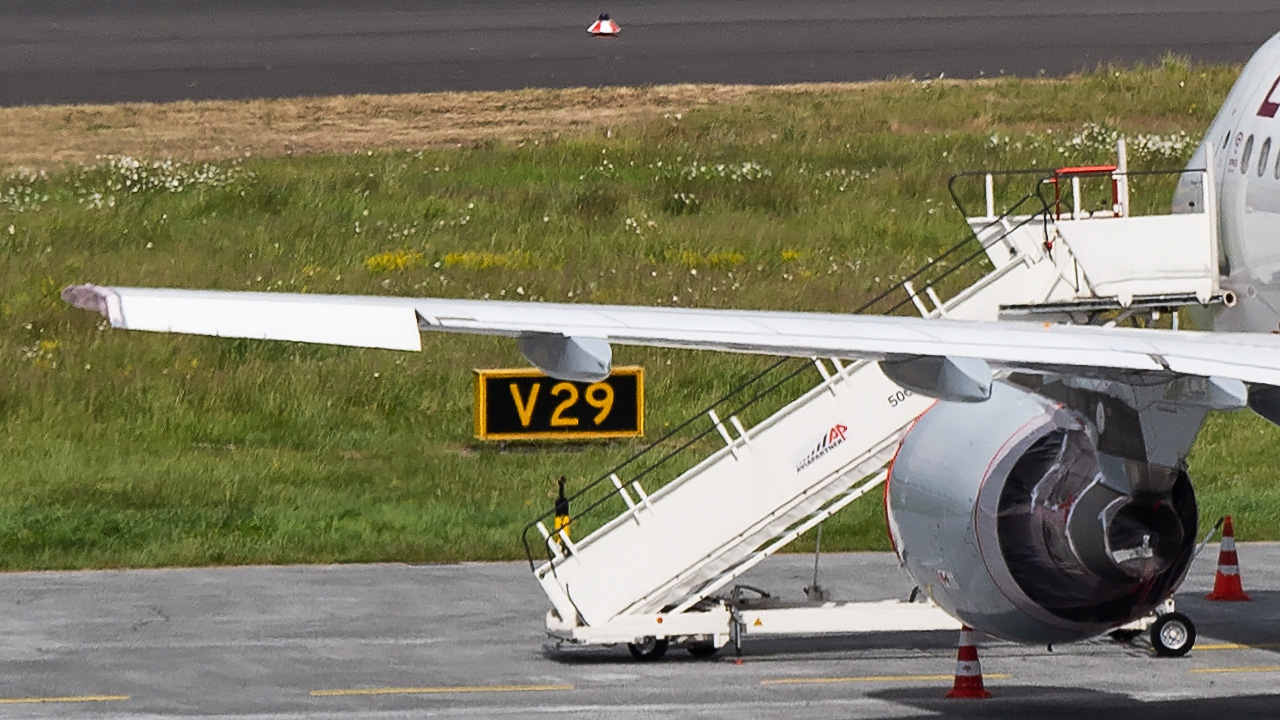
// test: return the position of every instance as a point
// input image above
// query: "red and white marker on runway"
(968, 669)
(1226, 582)
(604, 26)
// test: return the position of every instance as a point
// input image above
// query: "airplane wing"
(395, 322)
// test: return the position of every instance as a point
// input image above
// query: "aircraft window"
(1246, 154)
(1263, 156)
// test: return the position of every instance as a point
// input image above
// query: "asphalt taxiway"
(465, 641)
(86, 51)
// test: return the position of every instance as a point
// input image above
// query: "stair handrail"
(1114, 174)
(719, 404)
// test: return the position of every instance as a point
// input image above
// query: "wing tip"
(95, 298)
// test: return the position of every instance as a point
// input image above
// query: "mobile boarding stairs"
(660, 564)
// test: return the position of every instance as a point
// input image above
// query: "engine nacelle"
(1009, 517)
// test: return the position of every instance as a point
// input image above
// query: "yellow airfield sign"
(524, 404)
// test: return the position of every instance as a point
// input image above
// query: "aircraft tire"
(1173, 635)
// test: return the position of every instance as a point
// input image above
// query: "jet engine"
(1007, 513)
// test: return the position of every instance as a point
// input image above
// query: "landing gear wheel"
(649, 649)
(702, 650)
(1173, 634)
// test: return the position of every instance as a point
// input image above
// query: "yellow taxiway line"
(1237, 646)
(438, 690)
(870, 678)
(66, 699)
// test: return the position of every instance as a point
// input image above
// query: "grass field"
(124, 449)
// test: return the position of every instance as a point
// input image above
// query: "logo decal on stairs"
(830, 441)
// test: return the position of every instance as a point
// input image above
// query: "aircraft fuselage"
(1245, 141)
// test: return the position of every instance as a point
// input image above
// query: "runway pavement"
(86, 51)
(465, 641)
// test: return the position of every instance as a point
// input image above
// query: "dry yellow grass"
(44, 136)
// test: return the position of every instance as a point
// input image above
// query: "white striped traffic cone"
(1226, 582)
(604, 26)
(968, 669)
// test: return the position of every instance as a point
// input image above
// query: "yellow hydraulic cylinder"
(562, 512)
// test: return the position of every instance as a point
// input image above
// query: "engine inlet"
(1081, 549)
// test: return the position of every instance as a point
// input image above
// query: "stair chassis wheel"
(702, 650)
(648, 649)
(1173, 635)
(1124, 635)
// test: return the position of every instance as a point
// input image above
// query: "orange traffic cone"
(1226, 582)
(604, 26)
(968, 669)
